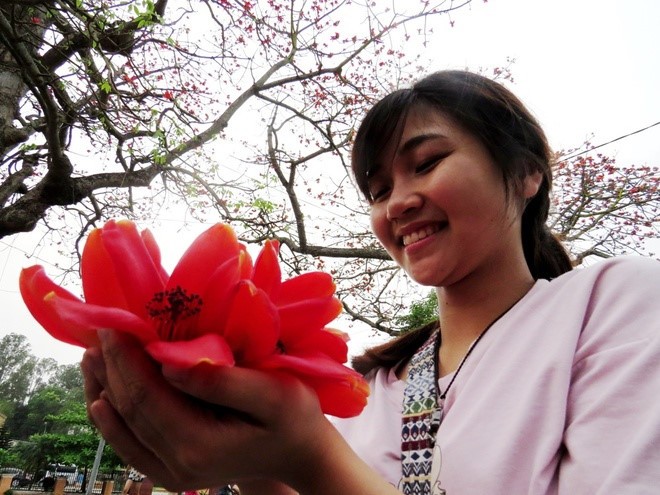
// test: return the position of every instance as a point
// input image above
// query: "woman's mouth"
(421, 234)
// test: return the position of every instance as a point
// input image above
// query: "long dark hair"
(509, 132)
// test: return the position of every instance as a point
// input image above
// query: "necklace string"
(437, 413)
(438, 341)
(442, 395)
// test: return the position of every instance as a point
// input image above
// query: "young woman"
(536, 379)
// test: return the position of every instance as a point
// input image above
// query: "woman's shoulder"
(612, 301)
(620, 289)
(622, 272)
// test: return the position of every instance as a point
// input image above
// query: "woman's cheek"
(380, 226)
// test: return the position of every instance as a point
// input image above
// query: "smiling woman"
(458, 175)
(535, 378)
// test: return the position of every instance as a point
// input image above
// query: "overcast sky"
(588, 69)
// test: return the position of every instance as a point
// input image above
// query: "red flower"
(216, 307)
(305, 304)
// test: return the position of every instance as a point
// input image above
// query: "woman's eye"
(428, 165)
(378, 193)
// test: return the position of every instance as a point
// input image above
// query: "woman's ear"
(531, 184)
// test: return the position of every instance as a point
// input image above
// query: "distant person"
(48, 482)
(133, 482)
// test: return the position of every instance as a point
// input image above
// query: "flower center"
(172, 306)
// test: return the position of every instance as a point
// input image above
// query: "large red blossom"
(216, 307)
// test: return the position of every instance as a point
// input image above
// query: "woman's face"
(439, 204)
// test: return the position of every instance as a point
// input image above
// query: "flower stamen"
(172, 306)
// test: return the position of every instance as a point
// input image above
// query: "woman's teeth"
(420, 234)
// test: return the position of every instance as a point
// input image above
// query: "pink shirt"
(561, 396)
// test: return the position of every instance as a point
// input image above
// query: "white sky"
(588, 69)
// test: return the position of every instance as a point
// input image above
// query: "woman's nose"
(403, 200)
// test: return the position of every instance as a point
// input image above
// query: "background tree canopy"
(243, 112)
(45, 409)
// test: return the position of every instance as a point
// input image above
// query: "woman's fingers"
(126, 444)
(90, 364)
(139, 410)
(200, 427)
(149, 406)
(111, 425)
(274, 417)
(263, 396)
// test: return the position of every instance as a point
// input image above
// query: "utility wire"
(610, 142)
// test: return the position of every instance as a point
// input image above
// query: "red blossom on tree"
(602, 208)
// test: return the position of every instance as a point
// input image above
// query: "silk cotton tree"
(236, 111)
(118, 109)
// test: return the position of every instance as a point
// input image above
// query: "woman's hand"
(209, 426)
(238, 424)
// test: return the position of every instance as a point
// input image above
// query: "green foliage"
(43, 404)
(264, 205)
(8, 458)
(25, 456)
(4, 438)
(51, 425)
(147, 17)
(105, 86)
(78, 449)
(69, 378)
(71, 440)
(6, 407)
(17, 367)
(421, 313)
(72, 419)
(41, 407)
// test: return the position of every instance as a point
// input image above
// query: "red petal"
(208, 251)
(209, 348)
(306, 286)
(99, 279)
(252, 326)
(35, 285)
(327, 341)
(313, 364)
(267, 275)
(305, 316)
(342, 391)
(343, 399)
(154, 251)
(85, 319)
(136, 272)
(219, 293)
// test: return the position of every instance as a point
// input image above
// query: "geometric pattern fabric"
(420, 421)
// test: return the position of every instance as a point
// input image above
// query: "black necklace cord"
(443, 395)
(438, 342)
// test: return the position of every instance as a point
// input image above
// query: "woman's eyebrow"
(415, 141)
